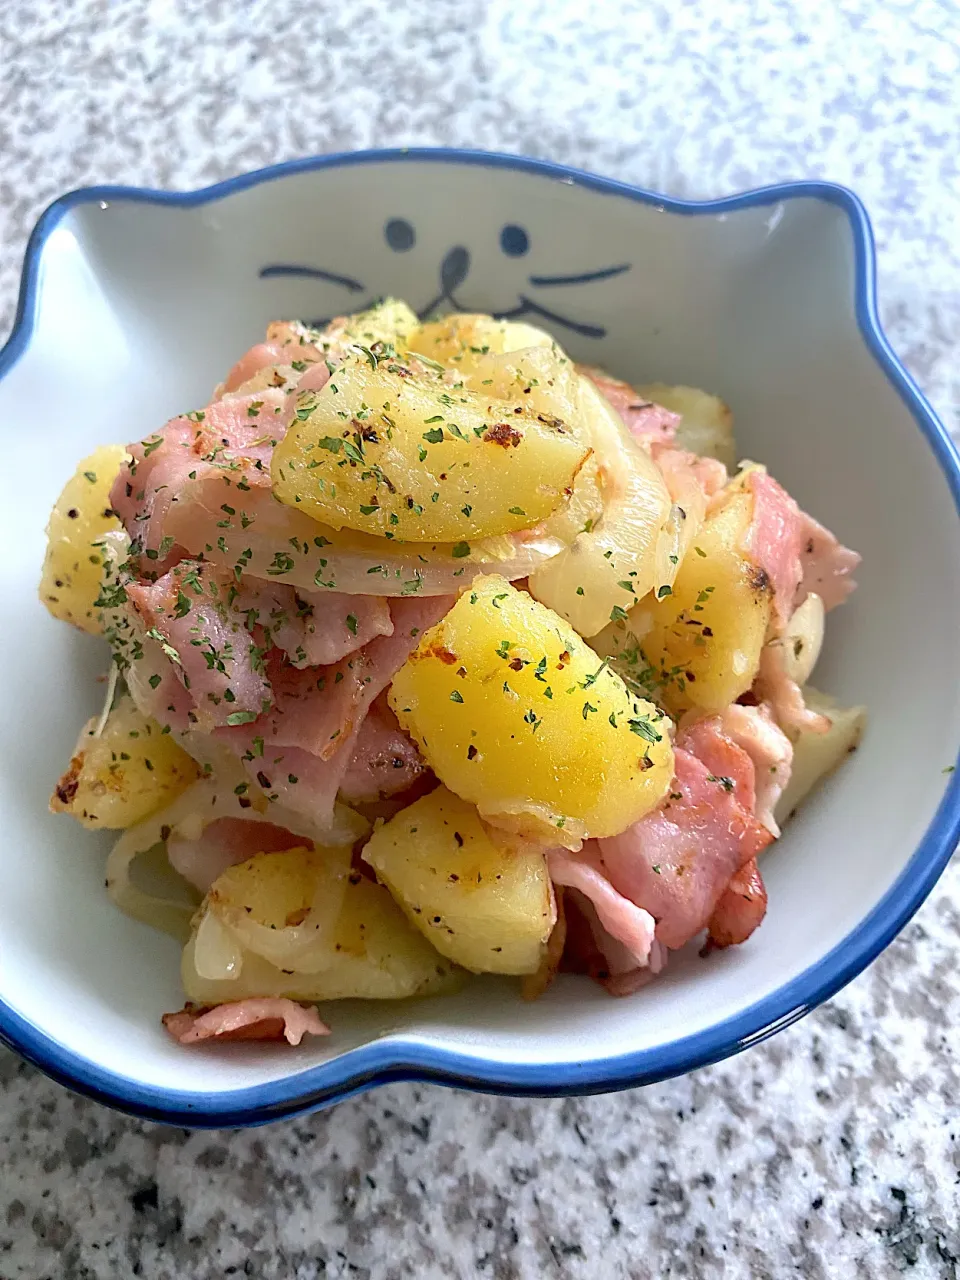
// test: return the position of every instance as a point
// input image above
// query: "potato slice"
(462, 341)
(387, 450)
(283, 905)
(390, 322)
(547, 383)
(707, 423)
(613, 561)
(542, 379)
(132, 769)
(70, 582)
(515, 713)
(375, 954)
(699, 647)
(481, 899)
(816, 755)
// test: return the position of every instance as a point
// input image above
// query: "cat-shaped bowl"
(134, 303)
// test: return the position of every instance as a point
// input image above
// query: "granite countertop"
(832, 1150)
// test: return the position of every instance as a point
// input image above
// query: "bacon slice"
(755, 731)
(678, 466)
(590, 949)
(262, 356)
(216, 632)
(300, 749)
(155, 688)
(313, 628)
(783, 695)
(677, 860)
(269, 1018)
(741, 908)
(230, 441)
(630, 925)
(289, 344)
(385, 760)
(627, 981)
(314, 709)
(728, 765)
(222, 844)
(825, 565)
(295, 779)
(188, 613)
(773, 541)
(797, 553)
(586, 944)
(156, 469)
(315, 378)
(648, 422)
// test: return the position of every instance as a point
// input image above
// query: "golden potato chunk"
(370, 949)
(548, 385)
(542, 379)
(462, 341)
(122, 776)
(390, 322)
(515, 713)
(481, 899)
(70, 582)
(699, 646)
(382, 449)
(283, 905)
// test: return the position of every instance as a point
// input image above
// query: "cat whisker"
(528, 307)
(585, 277)
(279, 269)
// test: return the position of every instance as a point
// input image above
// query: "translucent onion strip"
(169, 915)
(305, 947)
(613, 563)
(313, 556)
(217, 953)
(203, 803)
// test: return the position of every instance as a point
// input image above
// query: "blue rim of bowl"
(399, 1059)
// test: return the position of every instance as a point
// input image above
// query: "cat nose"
(454, 268)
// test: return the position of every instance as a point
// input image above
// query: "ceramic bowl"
(135, 302)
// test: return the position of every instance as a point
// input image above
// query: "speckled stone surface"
(832, 1150)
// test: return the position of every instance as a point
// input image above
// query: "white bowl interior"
(143, 308)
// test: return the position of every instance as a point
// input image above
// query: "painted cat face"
(453, 279)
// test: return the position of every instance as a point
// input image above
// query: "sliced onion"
(687, 513)
(344, 827)
(582, 510)
(803, 639)
(217, 953)
(585, 584)
(316, 557)
(306, 947)
(535, 824)
(186, 818)
(676, 537)
(169, 915)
